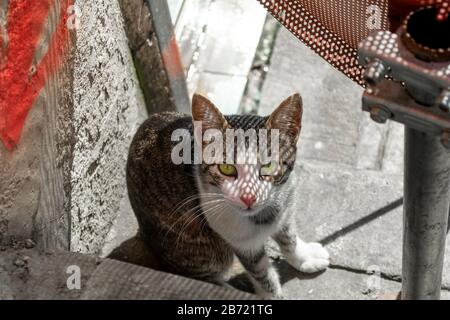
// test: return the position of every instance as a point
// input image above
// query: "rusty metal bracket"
(416, 60)
(418, 96)
(390, 100)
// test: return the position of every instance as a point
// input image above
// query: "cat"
(196, 217)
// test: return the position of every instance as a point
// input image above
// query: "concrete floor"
(218, 40)
(350, 196)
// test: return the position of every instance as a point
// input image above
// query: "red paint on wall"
(20, 79)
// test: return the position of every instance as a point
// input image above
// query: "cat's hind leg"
(305, 257)
(262, 273)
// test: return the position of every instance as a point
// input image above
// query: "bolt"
(375, 71)
(444, 100)
(380, 114)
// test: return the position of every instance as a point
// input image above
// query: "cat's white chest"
(239, 231)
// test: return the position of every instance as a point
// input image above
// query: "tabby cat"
(195, 217)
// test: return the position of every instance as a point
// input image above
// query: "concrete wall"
(64, 184)
(20, 180)
(35, 171)
(109, 106)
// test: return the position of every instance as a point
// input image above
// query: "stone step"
(31, 274)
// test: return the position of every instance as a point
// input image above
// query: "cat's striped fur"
(186, 220)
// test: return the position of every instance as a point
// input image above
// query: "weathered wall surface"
(35, 170)
(19, 181)
(63, 184)
(109, 106)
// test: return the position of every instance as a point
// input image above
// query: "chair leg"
(426, 212)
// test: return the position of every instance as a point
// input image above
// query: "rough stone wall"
(109, 106)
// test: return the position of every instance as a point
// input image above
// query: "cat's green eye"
(269, 169)
(228, 170)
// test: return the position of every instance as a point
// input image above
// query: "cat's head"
(250, 182)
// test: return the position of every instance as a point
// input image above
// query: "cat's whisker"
(196, 208)
(202, 208)
(192, 198)
(217, 212)
(183, 215)
(192, 211)
(189, 222)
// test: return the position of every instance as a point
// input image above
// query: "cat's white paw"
(314, 265)
(309, 257)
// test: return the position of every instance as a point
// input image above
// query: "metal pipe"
(162, 23)
(426, 209)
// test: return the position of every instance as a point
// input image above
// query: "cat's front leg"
(262, 273)
(305, 257)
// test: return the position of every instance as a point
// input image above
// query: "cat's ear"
(208, 115)
(288, 117)
(205, 111)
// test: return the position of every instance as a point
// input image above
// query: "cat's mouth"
(243, 210)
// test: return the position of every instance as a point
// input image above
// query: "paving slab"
(370, 148)
(332, 102)
(217, 41)
(357, 214)
(351, 184)
(335, 284)
(225, 90)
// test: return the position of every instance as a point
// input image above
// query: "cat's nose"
(248, 199)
